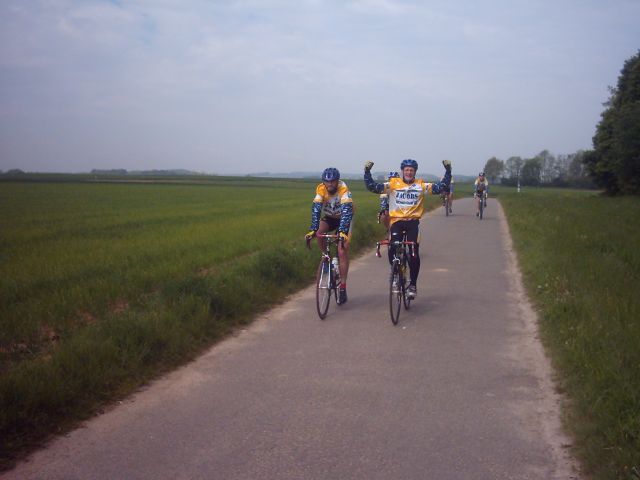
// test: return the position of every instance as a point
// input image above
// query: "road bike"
(482, 196)
(328, 274)
(445, 202)
(398, 280)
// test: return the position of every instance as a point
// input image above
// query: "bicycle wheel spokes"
(395, 294)
(406, 300)
(323, 288)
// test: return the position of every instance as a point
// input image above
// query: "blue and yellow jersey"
(406, 200)
(480, 185)
(338, 205)
(332, 204)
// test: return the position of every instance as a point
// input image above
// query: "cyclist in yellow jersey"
(332, 209)
(480, 191)
(406, 207)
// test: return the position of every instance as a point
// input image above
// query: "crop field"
(580, 256)
(105, 285)
(77, 250)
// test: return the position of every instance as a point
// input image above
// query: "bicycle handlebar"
(396, 243)
(328, 236)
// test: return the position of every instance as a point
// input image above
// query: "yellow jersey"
(406, 201)
(331, 203)
(481, 184)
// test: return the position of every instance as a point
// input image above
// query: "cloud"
(272, 79)
(380, 7)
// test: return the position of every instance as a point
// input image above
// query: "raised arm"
(436, 188)
(371, 185)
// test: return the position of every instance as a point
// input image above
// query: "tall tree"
(531, 171)
(575, 169)
(548, 166)
(513, 167)
(615, 161)
(493, 169)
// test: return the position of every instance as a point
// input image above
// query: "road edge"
(550, 413)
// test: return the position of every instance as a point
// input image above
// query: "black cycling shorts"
(409, 226)
(334, 223)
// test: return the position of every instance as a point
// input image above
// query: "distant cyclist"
(383, 214)
(448, 191)
(480, 191)
(333, 210)
(406, 207)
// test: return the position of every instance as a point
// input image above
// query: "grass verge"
(580, 256)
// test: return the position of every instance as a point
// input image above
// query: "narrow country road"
(460, 389)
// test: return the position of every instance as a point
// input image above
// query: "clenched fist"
(368, 166)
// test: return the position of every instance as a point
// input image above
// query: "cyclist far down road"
(480, 192)
(406, 207)
(333, 210)
(448, 193)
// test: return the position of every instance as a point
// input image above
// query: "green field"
(580, 256)
(72, 251)
(106, 285)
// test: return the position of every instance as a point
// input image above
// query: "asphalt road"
(460, 389)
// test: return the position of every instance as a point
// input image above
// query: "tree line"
(543, 169)
(614, 162)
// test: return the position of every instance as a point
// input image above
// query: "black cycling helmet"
(409, 163)
(481, 174)
(330, 174)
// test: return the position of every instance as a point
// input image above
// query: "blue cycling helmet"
(330, 174)
(409, 163)
(393, 175)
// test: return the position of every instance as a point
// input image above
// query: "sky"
(245, 86)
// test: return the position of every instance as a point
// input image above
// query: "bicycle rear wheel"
(395, 293)
(323, 288)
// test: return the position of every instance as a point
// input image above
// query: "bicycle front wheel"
(481, 208)
(323, 288)
(406, 300)
(446, 206)
(395, 293)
